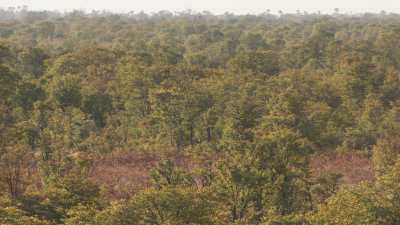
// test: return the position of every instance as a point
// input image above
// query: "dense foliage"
(245, 101)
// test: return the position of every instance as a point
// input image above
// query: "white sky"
(215, 6)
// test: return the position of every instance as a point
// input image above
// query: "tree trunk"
(191, 134)
(179, 142)
(209, 137)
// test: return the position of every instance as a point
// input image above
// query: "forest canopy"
(194, 118)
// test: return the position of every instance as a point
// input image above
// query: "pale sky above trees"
(215, 6)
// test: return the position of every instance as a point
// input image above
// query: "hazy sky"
(215, 6)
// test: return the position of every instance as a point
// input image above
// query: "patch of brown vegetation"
(354, 167)
(123, 174)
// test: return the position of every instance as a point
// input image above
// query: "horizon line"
(335, 11)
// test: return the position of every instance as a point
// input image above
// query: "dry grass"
(354, 167)
(124, 174)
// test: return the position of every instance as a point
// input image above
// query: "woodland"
(191, 118)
